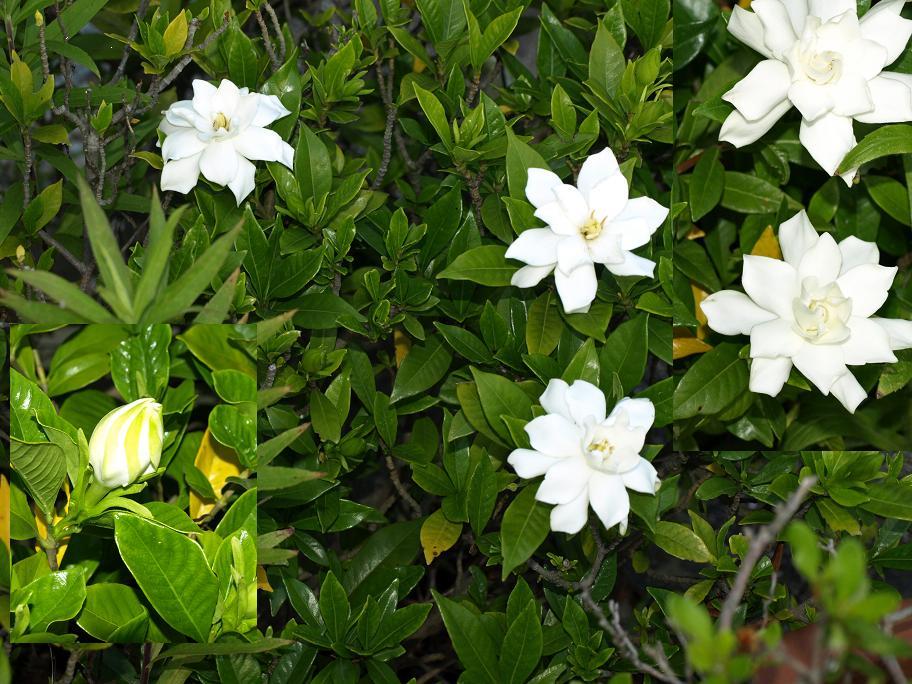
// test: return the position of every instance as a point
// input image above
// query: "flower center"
(592, 228)
(822, 313)
(824, 67)
(601, 450)
(219, 122)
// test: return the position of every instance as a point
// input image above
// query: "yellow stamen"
(220, 121)
(592, 228)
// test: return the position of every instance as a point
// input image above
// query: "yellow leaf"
(688, 346)
(418, 66)
(695, 233)
(699, 294)
(403, 345)
(176, 35)
(5, 509)
(217, 462)
(262, 580)
(41, 525)
(438, 534)
(767, 245)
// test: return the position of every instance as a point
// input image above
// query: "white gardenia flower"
(814, 310)
(827, 63)
(586, 457)
(219, 133)
(127, 443)
(593, 223)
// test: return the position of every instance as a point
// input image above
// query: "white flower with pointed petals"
(827, 63)
(814, 310)
(219, 133)
(127, 443)
(592, 223)
(587, 458)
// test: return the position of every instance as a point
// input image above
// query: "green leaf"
(334, 608)
(141, 365)
(324, 310)
(543, 327)
(501, 396)
(66, 294)
(471, 641)
(520, 158)
(325, 417)
(525, 526)
(647, 18)
(890, 500)
(154, 276)
(43, 208)
(172, 572)
(312, 165)
(606, 62)
(114, 272)
(717, 378)
(884, 141)
(109, 609)
(422, 368)
(681, 542)
(625, 353)
(522, 646)
(497, 31)
(584, 365)
(42, 467)
(464, 343)
(749, 194)
(435, 113)
(235, 427)
(485, 265)
(273, 478)
(218, 348)
(706, 184)
(55, 597)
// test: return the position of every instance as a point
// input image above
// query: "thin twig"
(766, 536)
(278, 30)
(386, 93)
(64, 252)
(134, 29)
(400, 488)
(70, 672)
(146, 663)
(267, 41)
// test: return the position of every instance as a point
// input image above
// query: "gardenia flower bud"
(587, 458)
(127, 443)
(593, 223)
(814, 310)
(826, 62)
(217, 133)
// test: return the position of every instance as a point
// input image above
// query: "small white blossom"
(827, 63)
(814, 310)
(587, 458)
(219, 133)
(127, 443)
(592, 223)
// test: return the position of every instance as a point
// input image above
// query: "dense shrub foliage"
(364, 341)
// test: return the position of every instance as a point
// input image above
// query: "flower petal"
(554, 435)
(771, 283)
(203, 94)
(638, 221)
(740, 132)
(868, 343)
(640, 413)
(643, 478)
(797, 11)
(822, 261)
(529, 463)
(572, 253)
(268, 109)
(606, 248)
(540, 186)
(827, 9)
(585, 400)
(747, 27)
(856, 252)
(181, 175)
(608, 498)
(536, 247)
(261, 144)
(812, 100)
(576, 289)
(883, 24)
(530, 276)
(867, 286)
(596, 168)
(796, 236)
(767, 376)
(774, 338)
(900, 332)
(851, 96)
(219, 162)
(733, 313)
(573, 203)
(226, 98)
(564, 481)
(778, 33)
(891, 95)
(554, 398)
(849, 392)
(184, 143)
(243, 183)
(761, 91)
(633, 265)
(609, 198)
(821, 364)
(557, 219)
(571, 516)
(828, 140)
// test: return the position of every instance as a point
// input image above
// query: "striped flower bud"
(127, 443)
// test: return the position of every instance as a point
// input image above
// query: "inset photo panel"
(130, 498)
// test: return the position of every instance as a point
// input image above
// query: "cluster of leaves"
(731, 204)
(133, 566)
